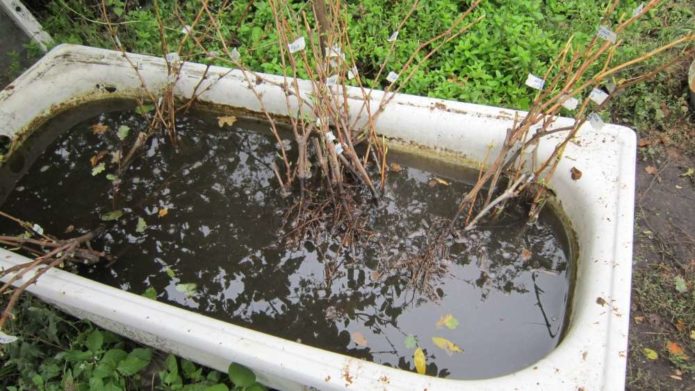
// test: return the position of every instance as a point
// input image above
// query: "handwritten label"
(570, 103)
(598, 96)
(352, 73)
(638, 10)
(298, 45)
(596, 121)
(535, 82)
(392, 77)
(607, 34)
(235, 55)
(172, 57)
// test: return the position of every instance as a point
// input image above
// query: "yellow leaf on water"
(420, 361)
(99, 128)
(163, 212)
(449, 321)
(227, 120)
(446, 345)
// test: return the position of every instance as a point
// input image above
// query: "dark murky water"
(217, 249)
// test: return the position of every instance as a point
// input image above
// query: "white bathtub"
(593, 353)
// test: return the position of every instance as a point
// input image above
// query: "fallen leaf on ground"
(692, 335)
(449, 321)
(99, 128)
(576, 173)
(163, 212)
(676, 350)
(688, 173)
(420, 361)
(643, 142)
(141, 225)
(680, 325)
(359, 338)
(639, 319)
(227, 120)
(96, 158)
(446, 345)
(395, 167)
(650, 354)
(651, 170)
(680, 284)
(112, 216)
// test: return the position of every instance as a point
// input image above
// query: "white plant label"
(334, 51)
(638, 10)
(607, 34)
(595, 121)
(535, 82)
(38, 229)
(186, 30)
(570, 103)
(5, 339)
(339, 148)
(235, 55)
(392, 77)
(393, 37)
(332, 80)
(298, 45)
(330, 137)
(172, 57)
(598, 96)
(352, 73)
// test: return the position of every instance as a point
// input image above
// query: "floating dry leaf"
(576, 173)
(651, 170)
(446, 345)
(449, 321)
(99, 128)
(226, 120)
(163, 212)
(359, 338)
(395, 167)
(526, 254)
(680, 325)
(420, 361)
(437, 181)
(650, 354)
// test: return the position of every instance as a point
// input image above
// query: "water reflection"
(214, 219)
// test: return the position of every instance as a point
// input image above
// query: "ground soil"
(664, 249)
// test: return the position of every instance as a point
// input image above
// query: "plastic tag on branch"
(596, 121)
(607, 34)
(352, 73)
(570, 102)
(38, 229)
(298, 45)
(172, 57)
(235, 55)
(535, 82)
(339, 148)
(186, 30)
(332, 80)
(598, 96)
(330, 136)
(638, 10)
(393, 37)
(392, 77)
(335, 51)
(5, 339)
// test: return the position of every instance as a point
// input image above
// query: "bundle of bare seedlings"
(48, 252)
